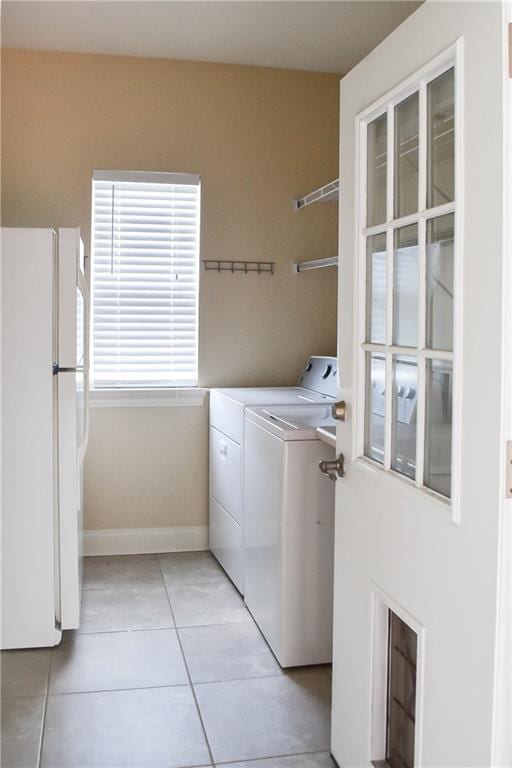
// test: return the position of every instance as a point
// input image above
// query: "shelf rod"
(303, 266)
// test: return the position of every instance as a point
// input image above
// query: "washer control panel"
(320, 374)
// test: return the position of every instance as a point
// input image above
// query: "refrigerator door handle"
(56, 368)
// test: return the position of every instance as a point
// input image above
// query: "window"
(408, 260)
(145, 265)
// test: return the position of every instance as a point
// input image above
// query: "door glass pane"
(441, 140)
(406, 157)
(403, 456)
(376, 289)
(405, 289)
(440, 282)
(375, 406)
(438, 426)
(376, 173)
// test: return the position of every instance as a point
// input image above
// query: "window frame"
(138, 395)
(451, 57)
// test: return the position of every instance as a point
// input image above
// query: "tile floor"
(168, 669)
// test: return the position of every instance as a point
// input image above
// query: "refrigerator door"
(29, 500)
(69, 498)
(72, 410)
(82, 362)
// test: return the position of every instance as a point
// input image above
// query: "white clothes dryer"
(289, 531)
(317, 386)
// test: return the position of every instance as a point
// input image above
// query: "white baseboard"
(141, 541)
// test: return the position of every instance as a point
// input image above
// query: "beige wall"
(147, 467)
(258, 137)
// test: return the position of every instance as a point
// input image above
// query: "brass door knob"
(339, 410)
(333, 469)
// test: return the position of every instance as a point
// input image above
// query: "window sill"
(147, 398)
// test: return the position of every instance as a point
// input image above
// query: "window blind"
(145, 279)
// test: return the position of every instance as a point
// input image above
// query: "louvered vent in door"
(401, 694)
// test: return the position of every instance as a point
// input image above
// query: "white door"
(419, 511)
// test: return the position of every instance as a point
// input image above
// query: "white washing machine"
(317, 386)
(289, 532)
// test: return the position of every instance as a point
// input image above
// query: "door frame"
(502, 735)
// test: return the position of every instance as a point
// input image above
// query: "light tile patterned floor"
(168, 670)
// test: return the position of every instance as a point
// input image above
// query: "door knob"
(339, 410)
(333, 469)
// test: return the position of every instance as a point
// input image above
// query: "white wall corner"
(140, 541)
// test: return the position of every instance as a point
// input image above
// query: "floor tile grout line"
(205, 626)
(204, 582)
(219, 578)
(189, 676)
(162, 629)
(41, 738)
(223, 580)
(120, 690)
(112, 587)
(189, 681)
(281, 673)
(126, 631)
(45, 705)
(238, 679)
(273, 757)
(119, 631)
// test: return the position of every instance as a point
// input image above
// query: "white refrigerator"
(44, 358)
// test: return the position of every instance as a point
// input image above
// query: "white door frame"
(502, 721)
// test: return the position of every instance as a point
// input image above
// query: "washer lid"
(291, 422)
(257, 396)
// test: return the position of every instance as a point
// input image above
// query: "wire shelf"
(303, 266)
(323, 194)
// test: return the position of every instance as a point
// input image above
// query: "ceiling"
(309, 35)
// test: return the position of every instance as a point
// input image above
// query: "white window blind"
(145, 279)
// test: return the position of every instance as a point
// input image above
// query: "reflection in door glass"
(375, 405)
(441, 140)
(376, 289)
(405, 290)
(440, 283)
(406, 156)
(403, 434)
(438, 426)
(376, 174)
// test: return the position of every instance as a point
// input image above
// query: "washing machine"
(317, 386)
(289, 531)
